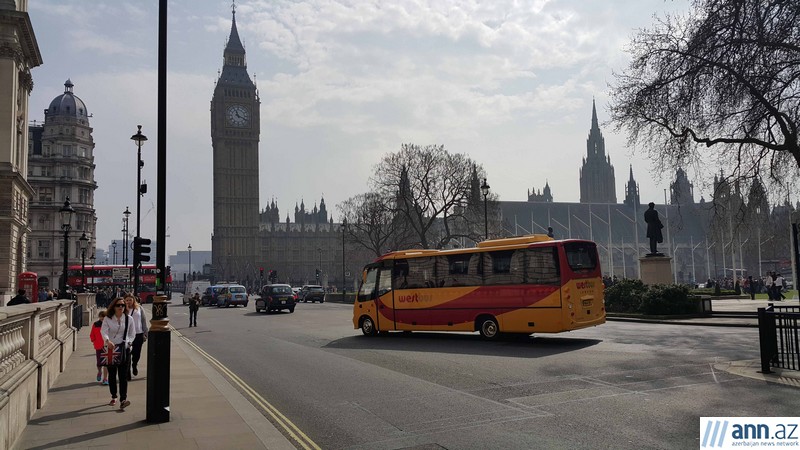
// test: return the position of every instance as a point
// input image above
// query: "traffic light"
(317, 274)
(273, 276)
(141, 250)
(262, 272)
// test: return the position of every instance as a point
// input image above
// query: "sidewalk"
(731, 306)
(207, 412)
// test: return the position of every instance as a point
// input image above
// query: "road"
(619, 385)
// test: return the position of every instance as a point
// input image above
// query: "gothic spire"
(234, 54)
(594, 116)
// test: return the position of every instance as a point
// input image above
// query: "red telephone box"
(30, 282)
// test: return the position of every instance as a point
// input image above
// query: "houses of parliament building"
(737, 230)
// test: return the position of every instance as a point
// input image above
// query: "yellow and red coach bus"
(529, 284)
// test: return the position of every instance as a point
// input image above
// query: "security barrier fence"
(779, 337)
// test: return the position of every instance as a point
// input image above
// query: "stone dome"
(68, 104)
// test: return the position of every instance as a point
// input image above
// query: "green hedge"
(633, 296)
(625, 296)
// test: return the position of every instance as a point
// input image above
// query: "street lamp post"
(92, 259)
(190, 263)
(344, 282)
(114, 252)
(125, 246)
(139, 138)
(66, 212)
(83, 241)
(319, 265)
(485, 191)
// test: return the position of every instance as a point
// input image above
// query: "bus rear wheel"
(368, 326)
(488, 328)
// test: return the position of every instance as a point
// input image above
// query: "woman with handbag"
(118, 333)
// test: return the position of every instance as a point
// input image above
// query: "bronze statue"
(654, 227)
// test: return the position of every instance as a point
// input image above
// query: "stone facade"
(19, 53)
(60, 167)
(38, 340)
(235, 134)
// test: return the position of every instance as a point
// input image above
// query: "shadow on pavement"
(69, 415)
(515, 346)
(73, 386)
(97, 434)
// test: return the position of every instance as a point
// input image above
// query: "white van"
(193, 287)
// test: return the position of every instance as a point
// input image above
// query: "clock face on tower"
(237, 116)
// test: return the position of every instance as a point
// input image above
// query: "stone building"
(312, 242)
(541, 196)
(235, 134)
(19, 53)
(597, 173)
(60, 167)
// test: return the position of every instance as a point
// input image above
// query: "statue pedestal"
(656, 270)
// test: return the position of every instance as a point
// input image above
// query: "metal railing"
(779, 337)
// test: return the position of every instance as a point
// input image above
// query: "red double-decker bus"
(104, 276)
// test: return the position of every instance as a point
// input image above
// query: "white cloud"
(342, 82)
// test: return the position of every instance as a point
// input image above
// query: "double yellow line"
(290, 428)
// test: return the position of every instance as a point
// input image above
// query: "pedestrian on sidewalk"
(751, 287)
(194, 305)
(97, 340)
(779, 282)
(769, 284)
(140, 326)
(20, 299)
(118, 329)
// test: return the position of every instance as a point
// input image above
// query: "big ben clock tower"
(235, 134)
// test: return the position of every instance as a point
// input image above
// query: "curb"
(671, 322)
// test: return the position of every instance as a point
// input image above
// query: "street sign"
(121, 274)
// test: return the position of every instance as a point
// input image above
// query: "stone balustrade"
(36, 341)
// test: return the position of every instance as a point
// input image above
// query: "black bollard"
(158, 363)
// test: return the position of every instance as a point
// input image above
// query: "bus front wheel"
(489, 328)
(368, 326)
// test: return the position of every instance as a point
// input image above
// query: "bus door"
(385, 296)
(367, 292)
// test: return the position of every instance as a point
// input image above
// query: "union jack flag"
(110, 357)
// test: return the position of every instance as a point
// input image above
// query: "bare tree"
(430, 191)
(372, 223)
(725, 76)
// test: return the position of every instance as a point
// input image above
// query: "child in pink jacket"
(97, 341)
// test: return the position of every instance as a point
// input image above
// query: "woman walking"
(118, 329)
(140, 325)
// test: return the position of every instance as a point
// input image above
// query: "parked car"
(209, 298)
(275, 297)
(232, 294)
(313, 294)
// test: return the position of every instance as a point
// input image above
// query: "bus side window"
(542, 266)
(367, 290)
(400, 274)
(506, 268)
(421, 273)
(455, 271)
(384, 281)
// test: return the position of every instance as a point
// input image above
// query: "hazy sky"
(508, 82)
